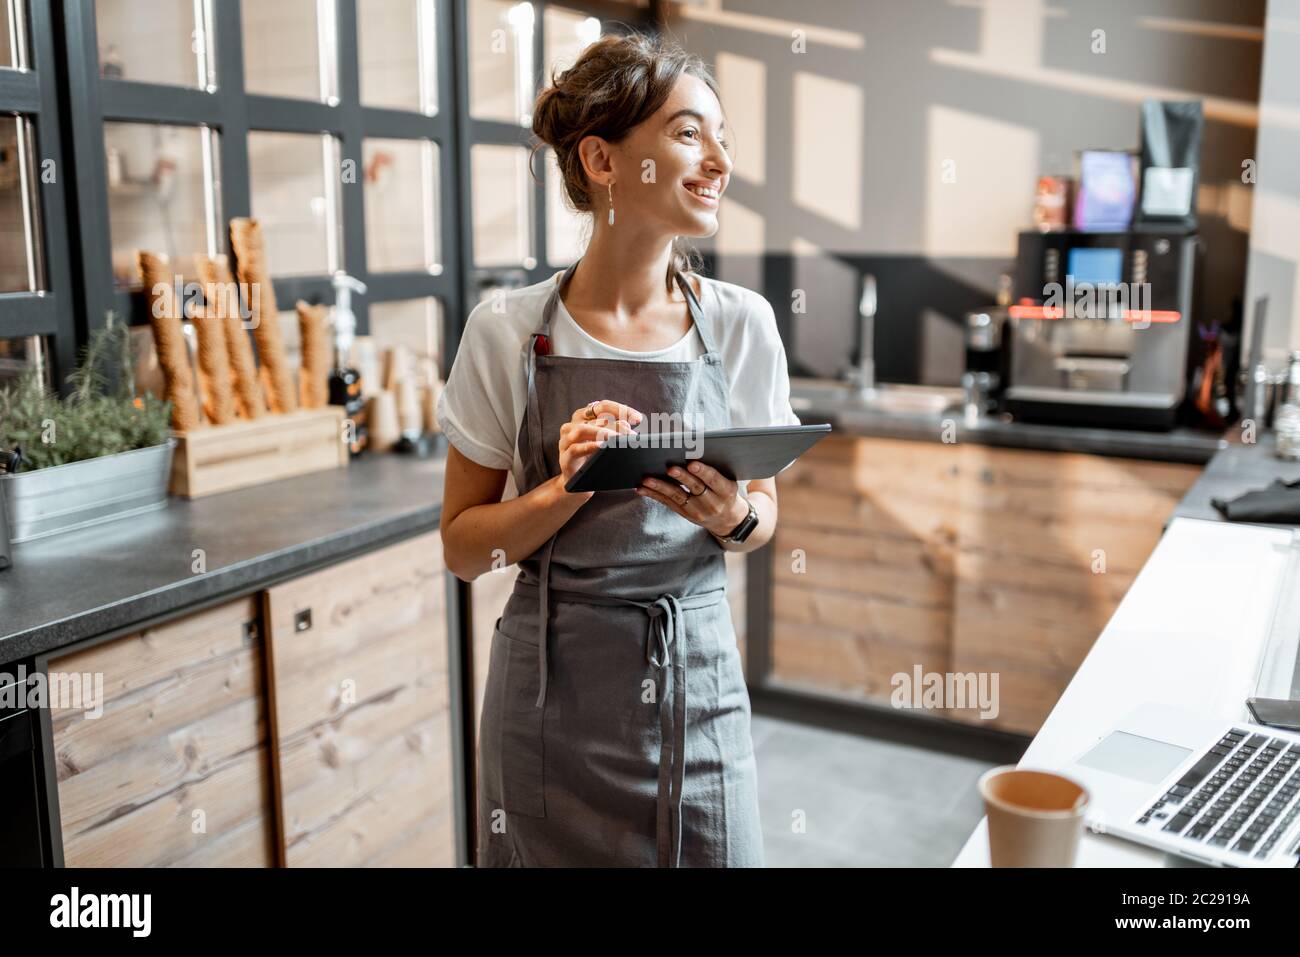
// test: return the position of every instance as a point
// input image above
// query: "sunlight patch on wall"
(743, 81)
(827, 148)
(979, 183)
(740, 230)
(711, 12)
(1221, 108)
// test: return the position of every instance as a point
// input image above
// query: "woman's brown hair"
(617, 83)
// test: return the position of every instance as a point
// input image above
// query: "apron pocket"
(512, 727)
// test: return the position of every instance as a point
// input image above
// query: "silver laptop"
(1225, 793)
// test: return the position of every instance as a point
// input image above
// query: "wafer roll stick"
(214, 367)
(223, 297)
(313, 378)
(250, 266)
(169, 340)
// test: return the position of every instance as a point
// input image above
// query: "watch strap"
(745, 527)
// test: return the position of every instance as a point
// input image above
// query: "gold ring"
(591, 412)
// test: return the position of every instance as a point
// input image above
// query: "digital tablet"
(739, 454)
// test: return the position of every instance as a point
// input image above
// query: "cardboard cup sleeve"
(384, 424)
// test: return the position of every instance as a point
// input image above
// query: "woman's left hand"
(713, 503)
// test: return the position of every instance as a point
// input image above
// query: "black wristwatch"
(744, 529)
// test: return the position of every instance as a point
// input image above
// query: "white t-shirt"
(483, 404)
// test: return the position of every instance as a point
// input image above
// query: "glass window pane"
(501, 61)
(13, 34)
(567, 230)
(293, 179)
(164, 194)
(566, 34)
(401, 205)
(19, 226)
(152, 42)
(8, 55)
(283, 44)
(413, 323)
(502, 206)
(18, 355)
(397, 47)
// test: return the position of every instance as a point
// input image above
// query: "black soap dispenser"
(345, 386)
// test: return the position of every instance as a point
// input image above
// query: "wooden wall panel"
(862, 564)
(892, 554)
(1049, 543)
(175, 771)
(362, 736)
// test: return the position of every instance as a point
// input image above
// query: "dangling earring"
(611, 204)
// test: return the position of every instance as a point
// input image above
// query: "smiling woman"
(590, 752)
(629, 123)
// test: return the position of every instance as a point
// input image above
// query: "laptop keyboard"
(1242, 795)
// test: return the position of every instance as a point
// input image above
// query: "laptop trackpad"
(1132, 756)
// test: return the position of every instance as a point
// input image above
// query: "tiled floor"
(831, 799)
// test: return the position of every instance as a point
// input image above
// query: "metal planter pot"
(79, 494)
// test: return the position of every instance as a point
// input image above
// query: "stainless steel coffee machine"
(1101, 327)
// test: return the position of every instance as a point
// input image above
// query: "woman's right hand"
(581, 436)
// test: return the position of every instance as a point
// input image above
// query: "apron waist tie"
(665, 625)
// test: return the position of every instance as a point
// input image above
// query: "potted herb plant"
(98, 454)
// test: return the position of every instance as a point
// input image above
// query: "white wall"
(1273, 266)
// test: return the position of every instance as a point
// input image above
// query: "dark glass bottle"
(345, 390)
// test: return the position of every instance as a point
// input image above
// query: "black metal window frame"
(32, 94)
(235, 113)
(615, 17)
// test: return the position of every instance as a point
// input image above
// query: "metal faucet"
(862, 376)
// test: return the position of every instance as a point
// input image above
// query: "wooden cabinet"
(174, 771)
(862, 564)
(308, 725)
(359, 690)
(957, 559)
(1049, 545)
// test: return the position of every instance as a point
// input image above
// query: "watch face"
(749, 523)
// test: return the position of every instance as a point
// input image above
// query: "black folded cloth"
(1278, 504)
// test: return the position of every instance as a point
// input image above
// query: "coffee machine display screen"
(1096, 266)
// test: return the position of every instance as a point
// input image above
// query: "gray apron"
(616, 722)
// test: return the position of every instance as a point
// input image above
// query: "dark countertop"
(1178, 445)
(79, 584)
(1234, 471)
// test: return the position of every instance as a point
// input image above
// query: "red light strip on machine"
(1128, 315)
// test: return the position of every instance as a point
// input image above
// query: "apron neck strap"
(697, 313)
(692, 303)
(553, 301)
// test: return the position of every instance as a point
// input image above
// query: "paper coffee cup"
(1035, 818)
(385, 428)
